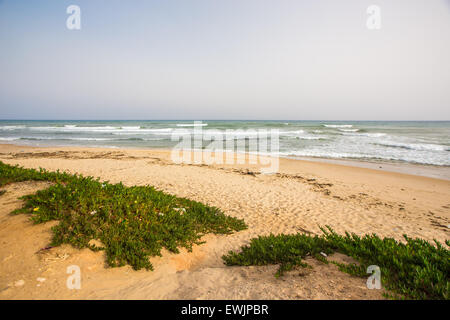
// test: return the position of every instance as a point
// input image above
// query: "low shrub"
(132, 223)
(416, 269)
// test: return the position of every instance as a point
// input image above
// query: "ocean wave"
(301, 138)
(349, 130)
(374, 135)
(322, 154)
(413, 146)
(8, 138)
(162, 131)
(76, 139)
(8, 128)
(74, 128)
(131, 128)
(314, 153)
(192, 124)
(310, 138)
(300, 131)
(103, 129)
(238, 132)
(100, 139)
(364, 134)
(69, 139)
(338, 125)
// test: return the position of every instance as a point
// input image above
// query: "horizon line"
(276, 120)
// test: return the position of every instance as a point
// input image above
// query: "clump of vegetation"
(415, 269)
(10, 174)
(132, 223)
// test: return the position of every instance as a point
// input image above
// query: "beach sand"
(302, 196)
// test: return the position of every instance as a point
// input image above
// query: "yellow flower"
(36, 209)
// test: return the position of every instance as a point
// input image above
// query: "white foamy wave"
(192, 124)
(374, 135)
(292, 133)
(230, 134)
(11, 127)
(163, 131)
(300, 134)
(244, 134)
(88, 139)
(414, 146)
(338, 125)
(131, 128)
(349, 130)
(317, 153)
(365, 134)
(322, 154)
(64, 139)
(101, 129)
(310, 138)
(77, 139)
(9, 138)
(73, 128)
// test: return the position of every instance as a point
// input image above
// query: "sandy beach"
(301, 197)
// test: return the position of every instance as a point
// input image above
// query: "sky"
(225, 59)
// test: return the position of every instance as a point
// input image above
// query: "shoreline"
(422, 170)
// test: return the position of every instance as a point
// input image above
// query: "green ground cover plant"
(135, 223)
(414, 269)
(132, 223)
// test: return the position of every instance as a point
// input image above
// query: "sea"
(418, 142)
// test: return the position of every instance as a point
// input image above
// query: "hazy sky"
(225, 59)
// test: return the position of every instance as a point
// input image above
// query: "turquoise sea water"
(411, 142)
